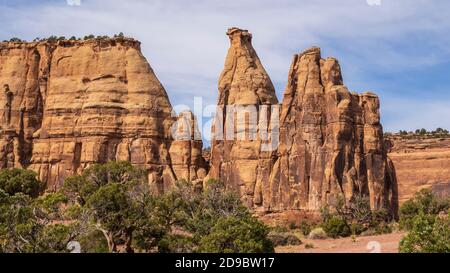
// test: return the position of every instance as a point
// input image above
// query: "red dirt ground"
(387, 243)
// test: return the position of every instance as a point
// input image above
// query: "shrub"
(309, 246)
(52, 38)
(93, 242)
(280, 229)
(284, 239)
(177, 244)
(305, 227)
(16, 40)
(429, 234)
(424, 202)
(355, 218)
(118, 202)
(317, 233)
(292, 226)
(237, 235)
(336, 226)
(30, 225)
(14, 181)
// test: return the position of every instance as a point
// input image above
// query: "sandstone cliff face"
(421, 163)
(24, 70)
(186, 149)
(331, 140)
(75, 103)
(241, 164)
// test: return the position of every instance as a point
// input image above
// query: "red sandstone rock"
(76, 103)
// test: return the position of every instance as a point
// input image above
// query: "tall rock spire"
(244, 81)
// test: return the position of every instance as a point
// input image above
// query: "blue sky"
(399, 49)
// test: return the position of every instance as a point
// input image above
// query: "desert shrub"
(284, 239)
(93, 242)
(175, 243)
(292, 225)
(354, 218)
(309, 246)
(16, 40)
(14, 181)
(52, 38)
(30, 225)
(336, 226)
(427, 218)
(202, 210)
(115, 199)
(428, 234)
(317, 233)
(280, 229)
(237, 235)
(215, 218)
(305, 227)
(424, 202)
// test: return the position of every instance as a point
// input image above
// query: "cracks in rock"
(62, 58)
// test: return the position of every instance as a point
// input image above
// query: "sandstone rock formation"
(241, 164)
(420, 163)
(75, 103)
(69, 104)
(331, 140)
(186, 149)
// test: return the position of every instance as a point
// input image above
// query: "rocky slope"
(331, 140)
(421, 162)
(75, 103)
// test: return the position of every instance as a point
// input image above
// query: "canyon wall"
(69, 104)
(421, 162)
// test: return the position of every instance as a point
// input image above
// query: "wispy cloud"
(185, 41)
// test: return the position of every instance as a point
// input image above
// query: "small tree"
(429, 234)
(16, 40)
(91, 36)
(31, 225)
(424, 202)
(354, 218)
(14, 181)
(237, 235)
(120, 204)
(204, 209)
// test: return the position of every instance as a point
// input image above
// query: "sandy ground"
(387, 243)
